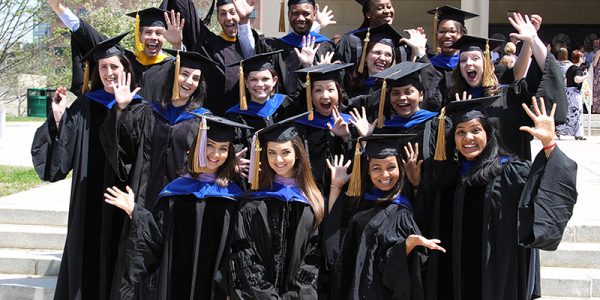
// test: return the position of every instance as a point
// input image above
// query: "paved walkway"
(15, 146)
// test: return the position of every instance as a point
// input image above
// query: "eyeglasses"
(382, 53)
(451, 32)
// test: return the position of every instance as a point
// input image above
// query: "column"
(477, 26)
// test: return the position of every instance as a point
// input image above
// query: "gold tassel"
(86, 78)
(381, 104)
(436, 22)
(243, 102)
(440, 145)
(175, 93)
(354, 188)
(309, 104)
(363, 54)
(256, 166)
(139, 47)
(488, 71)
(282, 16)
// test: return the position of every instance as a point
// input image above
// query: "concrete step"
(30, 261)
(27, 287)
(570, 282)
(572, 255)
(33, 217)
(589, 232)
(32, 236)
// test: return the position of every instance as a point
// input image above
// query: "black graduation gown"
(83, 40)
(222, 84)
(275, 251)
(186, 238)
(523, 209)
(373, 263)
(93, 226)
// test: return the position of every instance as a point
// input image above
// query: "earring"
(456, 154)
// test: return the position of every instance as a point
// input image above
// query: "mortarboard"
(317, 73)
(473, 43)
(384, 33)
(459, 112)
(186, 59)
(258, 62)
(280, 132)
(149, 17)
(107, 48)
(448, 12)
(399, 75)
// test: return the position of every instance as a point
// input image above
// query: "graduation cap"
(146, 17)
(384, 33)
(377, 146)
(317, 73)
(448, 12)
(400, 74)
(282, 10)
(459, 112)
(473, 43)
(279, 132)
(258, 62)
(215, 128)
(107, 48)
(192, 60)
(364, 4)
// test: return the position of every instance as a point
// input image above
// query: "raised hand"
(464, 96)
(361, 123)
(339, 170)
(543, 129)
(536, 20)
(174, 32)
(414, 240)
(56, 6)
(244, 9)
(417, 40)
(243, 165)
(325, 17)
(123, 95)
(59, 104)
(308, 52)
(325, 59)
(526, 30)
(412, 165)
(125, 201)
(340, 127)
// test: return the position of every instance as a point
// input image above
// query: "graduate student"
(187, 236)
(378, 258)
(260, 105)
(475, 77)
(153, 29)
(275, 240)
(68, 141)
(504, 208)
(149, 143)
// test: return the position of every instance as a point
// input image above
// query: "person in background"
(574, 77)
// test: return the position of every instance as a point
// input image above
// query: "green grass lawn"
(24, 119)
(17, 179)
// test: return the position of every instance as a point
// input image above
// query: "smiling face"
(448, 32)
(471, 67)
(470, 138)
(153, 39)
(109, 69)
(379, 58)
(301, 17)
(189, 79)
(260, 84)
(216, 154)
(325, 96)
(405, 100)
(228, 18)
(384, 172)
(281, 157)
(380, 12)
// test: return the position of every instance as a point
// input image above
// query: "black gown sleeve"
(547, 201)
(430, 78)
(196, 36)
(305, 280)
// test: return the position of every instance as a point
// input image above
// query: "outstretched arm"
(527, 32)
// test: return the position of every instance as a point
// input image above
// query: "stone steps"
(32, 236)
(27, 287)
(39, 262)
(570, 282)
(573, 255)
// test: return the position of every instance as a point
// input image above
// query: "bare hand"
(243, 165)
(526, 30)
(174, 32)
(414, 240)
(464, 96)
(125, 201)
(340, 127)
(325, 17)
(544, 123)
(536, 20)
(412, 166)
(123, 96)
(307, 54)
(244, 9)
(325, 59)
(361, 123)
(339, 170)
(417, 40)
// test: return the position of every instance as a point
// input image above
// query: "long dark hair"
(127, 68)
(487, 165)
(196, 99)
(226, 172)
(355, 79)
(302, 174)
(392, 193)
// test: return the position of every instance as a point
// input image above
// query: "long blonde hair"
(302, 175)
